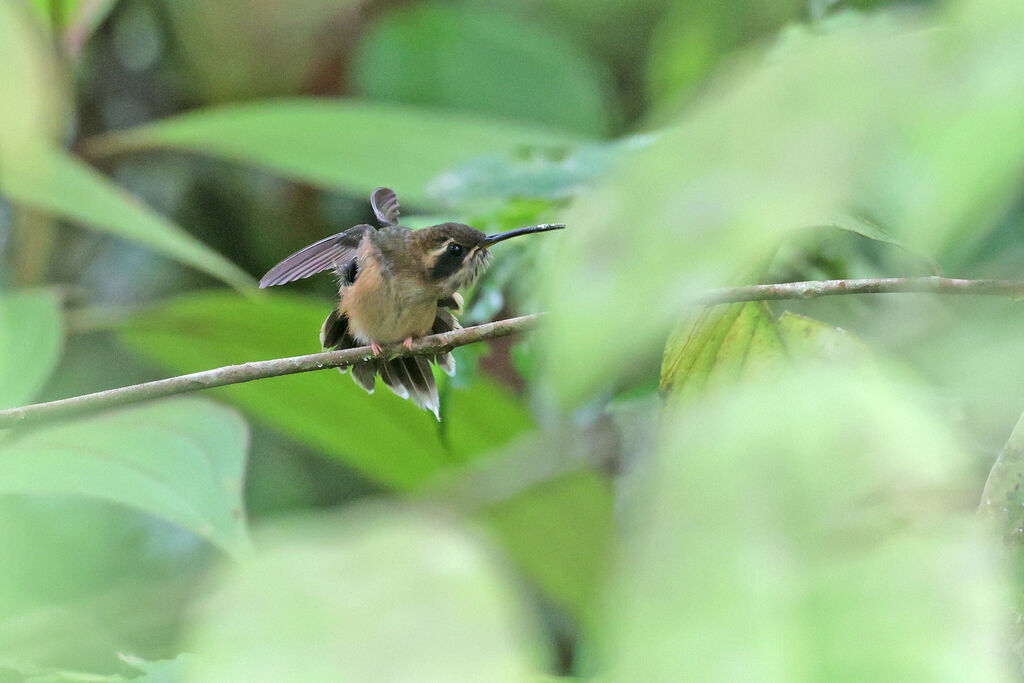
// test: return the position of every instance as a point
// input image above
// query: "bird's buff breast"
(378, 312)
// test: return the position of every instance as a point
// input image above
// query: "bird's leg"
(375, 347)
(408, 343)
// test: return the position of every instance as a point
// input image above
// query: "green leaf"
(83, 22)
(483, 59)
(31, 339)
(730, 344)
(33, 172)
(182, 460)
(806, 528)
(536, 175)
(384, 437)
(1002, 500)
(481, 416)
(391, 594)
(351, 145)
(877, 116)
(559, 534)
(60, 184)
(29, 91)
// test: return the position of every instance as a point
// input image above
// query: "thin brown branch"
(886, 285)
(246, 372)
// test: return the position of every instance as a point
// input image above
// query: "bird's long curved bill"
(502, 236)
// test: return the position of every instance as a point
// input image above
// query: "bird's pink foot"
(375, 347)
(408, 343)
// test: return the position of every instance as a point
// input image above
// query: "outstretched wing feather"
(331, 252)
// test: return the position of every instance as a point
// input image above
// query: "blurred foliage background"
(643, 490)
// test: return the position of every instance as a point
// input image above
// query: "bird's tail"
(410, 377)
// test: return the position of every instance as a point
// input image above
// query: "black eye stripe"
(448, 261)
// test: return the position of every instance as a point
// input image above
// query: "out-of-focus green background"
(644, 489)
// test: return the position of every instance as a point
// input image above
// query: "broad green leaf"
(483, 59)
(729, 344)
(390, 594)
(181, 460)
(384, 437)
(56, 182)
(31, 338)
(351, 145)
(807, 528)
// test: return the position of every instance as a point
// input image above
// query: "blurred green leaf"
(181, 460)
(31, 338)
(532, 176)
(37, 175)
(809, 528)
(866, 117)
(56, 182)
(559, 533)
(382, 436)
(390, 594)
(863, 226)
(29, 89)
(82, 21)
(351, 145)
(76, 19)
(82, 580)
(726, 345)
(302, 46)
(162, 670)
(480, 416)
(485, 59)
(1003, 500)
(693, 38)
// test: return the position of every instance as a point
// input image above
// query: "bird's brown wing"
(335, 251)
(385, 205)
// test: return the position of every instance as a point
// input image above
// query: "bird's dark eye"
(454, 249)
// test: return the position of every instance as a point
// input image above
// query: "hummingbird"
(396, 284)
